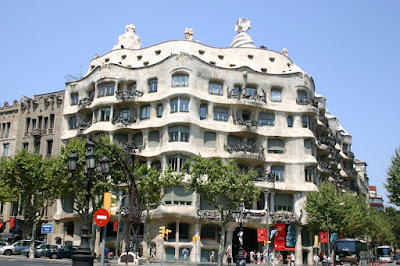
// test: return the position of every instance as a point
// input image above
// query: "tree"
(393, 179)
(30, 178)
(212, 179)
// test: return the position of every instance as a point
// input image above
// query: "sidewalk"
(179, 263)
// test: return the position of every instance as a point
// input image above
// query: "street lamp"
(240, 216)
(327, 225)
(83, 256)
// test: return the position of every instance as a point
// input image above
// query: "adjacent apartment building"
(253, 105)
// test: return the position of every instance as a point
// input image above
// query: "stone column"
(177, 240)
(271, 203)
(299, 247)
(192, 255)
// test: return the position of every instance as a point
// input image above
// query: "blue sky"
(350, 48)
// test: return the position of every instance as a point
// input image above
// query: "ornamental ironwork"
(127, 95)
(284, 218)
(124, 120)
(209, 215)
(266, 177)
(244, 122)
(84, 102)
(84, 125)
(131, 147)
(323, 119)
(238, 93)
(306, 101)
(243, 147)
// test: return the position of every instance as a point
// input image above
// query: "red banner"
(12, 222)
(323, 237)
(261, 235)
(280, 236)
(115, 226)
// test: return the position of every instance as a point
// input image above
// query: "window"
(73, 123)
(234, 140)
(51, 121)
(290, 121)
(121, 138)
(36, 146)
(277, 172)
(215, 88)
(176, 162)
(159, 110)
(250, 92)
(180, 80)
(105, 90)
(154, 138)
(103, 114)
(74, 99)
(8, 128)
(6, 148)
(308, 146)
(301, 97)
(203, 111)
(309, 174)
(145, 112)
(25, 146)
(345, 148)
(138, 138)
(124, 113)
(49, 146)
(209, 139)
(178, 133)
(306, 121)
(220, 114)
(177, 195)
(181, 104)
(153, 85)
(132, 87)
(283, 202)
(266, 119)
(276, 146)
(276, 95)
(27, 124)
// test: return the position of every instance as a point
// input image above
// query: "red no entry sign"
(101, 217)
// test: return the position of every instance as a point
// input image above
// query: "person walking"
(212, 256)
(229, 259)
(316, 260)
(185, 253)
(292, 259)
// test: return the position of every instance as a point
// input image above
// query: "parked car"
(40, 250)
(3, 243)
(59, 253)
(17, 247)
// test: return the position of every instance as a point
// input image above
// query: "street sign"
(261, 235)
(47, 228)
(12, 222)
(101, 217)
(323, 237)
(115, 226)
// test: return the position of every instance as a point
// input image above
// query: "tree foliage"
(393, 179)
(28, 178)
(212, 179)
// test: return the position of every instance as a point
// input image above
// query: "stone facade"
(253, 105)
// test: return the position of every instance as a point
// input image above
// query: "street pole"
(327, 223)
(119, 221)
(103, 244)
(162, 252)
(267, 221)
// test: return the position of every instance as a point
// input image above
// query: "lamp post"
(327, 225)
(83, 256)
(240, 216)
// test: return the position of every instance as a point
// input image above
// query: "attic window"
(232, 65)
(139, 57)
(107, 60)
(272, 59)
(145, 63)
(250, 56)
(288, 64)
(201, 51)
(221, 57)
(123, 56)
(158, 52)
(92, 67)
(212, 62)
(263, 70)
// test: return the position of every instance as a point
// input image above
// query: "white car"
(17, 247)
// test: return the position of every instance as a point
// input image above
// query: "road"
(17, 260)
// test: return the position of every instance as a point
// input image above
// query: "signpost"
(101, 217)
(47, 228)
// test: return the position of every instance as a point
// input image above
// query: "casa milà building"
(182, 98)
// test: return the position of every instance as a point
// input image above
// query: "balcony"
(84, 125)
(323, 120)
(240, 94)
(128, 95)
(244, 122)
(36, 132)
(132, 147)
(306, 101)
(244, 147)
(123, 120)
(85, 102)
(266, 177)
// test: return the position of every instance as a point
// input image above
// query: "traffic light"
(109, 201)
(162, 231)
(266, 242)
(195, 238)
(316, 241)
(167, 231)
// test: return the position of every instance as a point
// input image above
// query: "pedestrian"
(292, 259)
(272, 259)
(258, 257)
(212, 256)
(251, 256)
(316, 260)
(329, 260)
(185, 253)
(229, 259)
(153, 253)
(265, 255)
(280, 259)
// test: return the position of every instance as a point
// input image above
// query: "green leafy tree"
(393, 179)
(212, 179)
(30, 178)
(392, 216)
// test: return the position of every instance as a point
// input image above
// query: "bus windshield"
(345, 245)
(383, 252)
